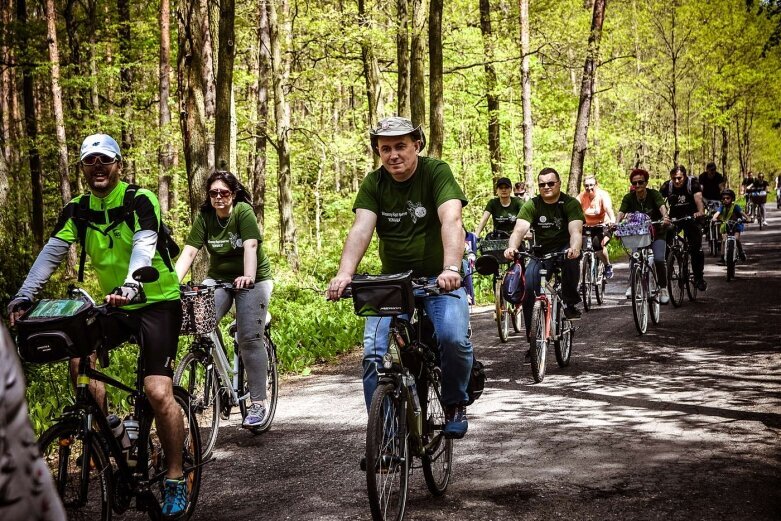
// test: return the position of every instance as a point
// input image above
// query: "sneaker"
(628, 292)
(608, 271)
(456, 423)
(701, 284)
(255, 416)
(664, 296)
(572, 313)
(175, 500)
(764, 222)
(742, 256)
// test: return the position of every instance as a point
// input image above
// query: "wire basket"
(199, 315)
(633, 242)
(494, 248)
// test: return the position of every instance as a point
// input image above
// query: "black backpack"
(166, 246)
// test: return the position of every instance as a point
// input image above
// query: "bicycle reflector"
(387, 361)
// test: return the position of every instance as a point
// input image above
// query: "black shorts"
(597, 234)
(154, 327)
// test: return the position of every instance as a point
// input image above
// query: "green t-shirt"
(550, 221)
(504, 217)
(224, 242)
(408, 225)
(650, 205)
(110, 255)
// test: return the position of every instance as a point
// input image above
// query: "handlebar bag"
(383, 295)
(58, 329)
(514, 284)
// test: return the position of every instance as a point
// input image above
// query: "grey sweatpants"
(251, 308)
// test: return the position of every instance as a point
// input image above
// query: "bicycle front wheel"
(654, 303)
(502, 313)
(691, 287)
(538, 341)
(196, 374)
(80, 468)
(387, 455)
(272, 387)
(639, 299)
(676, 278)
(563, 346)
(600, 282)
(586, 281)
(438, 457)
(729, 257)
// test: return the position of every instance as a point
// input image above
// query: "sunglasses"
(94, 160)
(641, 182)
(589, 186)
(678, 179)
(219, 193)
(549, 184)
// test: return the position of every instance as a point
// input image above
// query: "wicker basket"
(494, 248)
(633, 242)
(199, 315)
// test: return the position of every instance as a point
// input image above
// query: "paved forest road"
(682, 423)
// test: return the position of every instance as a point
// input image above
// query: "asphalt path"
(680, 423)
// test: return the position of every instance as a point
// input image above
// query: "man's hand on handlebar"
(337, 285)
(18, 307)
(123, 295)
(449, 280)
(572, 253)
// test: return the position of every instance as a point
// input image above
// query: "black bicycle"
(680, 275)
(100, 464)
(592, 270)
(492, 263)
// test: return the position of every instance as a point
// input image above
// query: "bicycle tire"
(675, 277)
(438, 458)
(62, 449)
(585, 281)
(600, 282)
(730, 260)
(191, 458)
(563, 346)
(272, 387)
(691, 287)
(639, 300)
(539, 341)
(654, 304)
(516, 317)
(387, 455)
(502, 313)
(196, 374)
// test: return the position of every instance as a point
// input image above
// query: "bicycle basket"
(494, 248)
(199, 315)
(633, 242)
(54, 330)
(383, 295)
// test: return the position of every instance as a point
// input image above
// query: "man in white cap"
(119, 243)
(415, 205)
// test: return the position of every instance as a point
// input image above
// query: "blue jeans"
(450, 317)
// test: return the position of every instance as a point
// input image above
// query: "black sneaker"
(572, 313)
(701, 284)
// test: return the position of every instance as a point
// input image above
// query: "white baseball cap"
(100, 144)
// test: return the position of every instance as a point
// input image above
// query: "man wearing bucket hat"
(414, 204)
(118, 244)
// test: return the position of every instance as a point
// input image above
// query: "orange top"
(595, 209)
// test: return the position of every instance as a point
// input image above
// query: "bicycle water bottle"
(413, 391)
(651, 258)
(131, 428)
(119, 431)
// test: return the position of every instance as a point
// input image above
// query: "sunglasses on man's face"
(219, 193)
(94, 160)
(640, 182)
(549, 184)
(678, 179)
(589, 186)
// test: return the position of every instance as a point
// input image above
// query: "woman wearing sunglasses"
(227, 226)
(650, 202)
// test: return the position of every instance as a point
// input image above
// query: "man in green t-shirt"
(115, 254)
(414, 203)
(557, 221)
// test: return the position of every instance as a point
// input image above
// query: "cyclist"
(729, 210)
(415, 205)
(115, 256)
(227, 226)
(519, 191)
(758, 192)
(650, 202)
(557, 221)
(503, 209)
(745, 186)
(712, 183)
(598, 209)
(684, 199)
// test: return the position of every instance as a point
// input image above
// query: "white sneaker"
(664, 296)
(628, 292)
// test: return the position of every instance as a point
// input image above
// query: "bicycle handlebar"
(420, 284)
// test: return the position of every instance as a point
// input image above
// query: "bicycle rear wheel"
(729, 257)
(538, 341)
(586, 282)
(387, 455)
(438, 458)
(80, 468)
(272, 387)
(196, 374)
(563, 346)
(516, 316)
(639, 299)
(502, 313)
(691, 287)
(676, 277)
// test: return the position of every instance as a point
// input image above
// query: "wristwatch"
(452, 267)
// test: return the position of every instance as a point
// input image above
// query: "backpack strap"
(81, 220)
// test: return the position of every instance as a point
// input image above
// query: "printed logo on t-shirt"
(416, 211)
(235, 240)
(544, 224)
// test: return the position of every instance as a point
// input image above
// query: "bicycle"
(643, 281)
(680, 274)
(592, 270)
(491, 263)
(406, 415)
(80, 447)
(548, 322)
(215, 384)
(731, 247)
(712, 233)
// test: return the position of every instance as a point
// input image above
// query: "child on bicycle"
(730, 211)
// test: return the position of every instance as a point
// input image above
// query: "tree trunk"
(371, 74)
(403, 58)
(491, 93)
(526, 99)
(165, 153)
(210, 88)
(31, 127)
(261, 130)
(436, 82)
(59, 118)
(417, 74)
(280, 32)
(227, 52)
(580, 142)
(126, 86)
